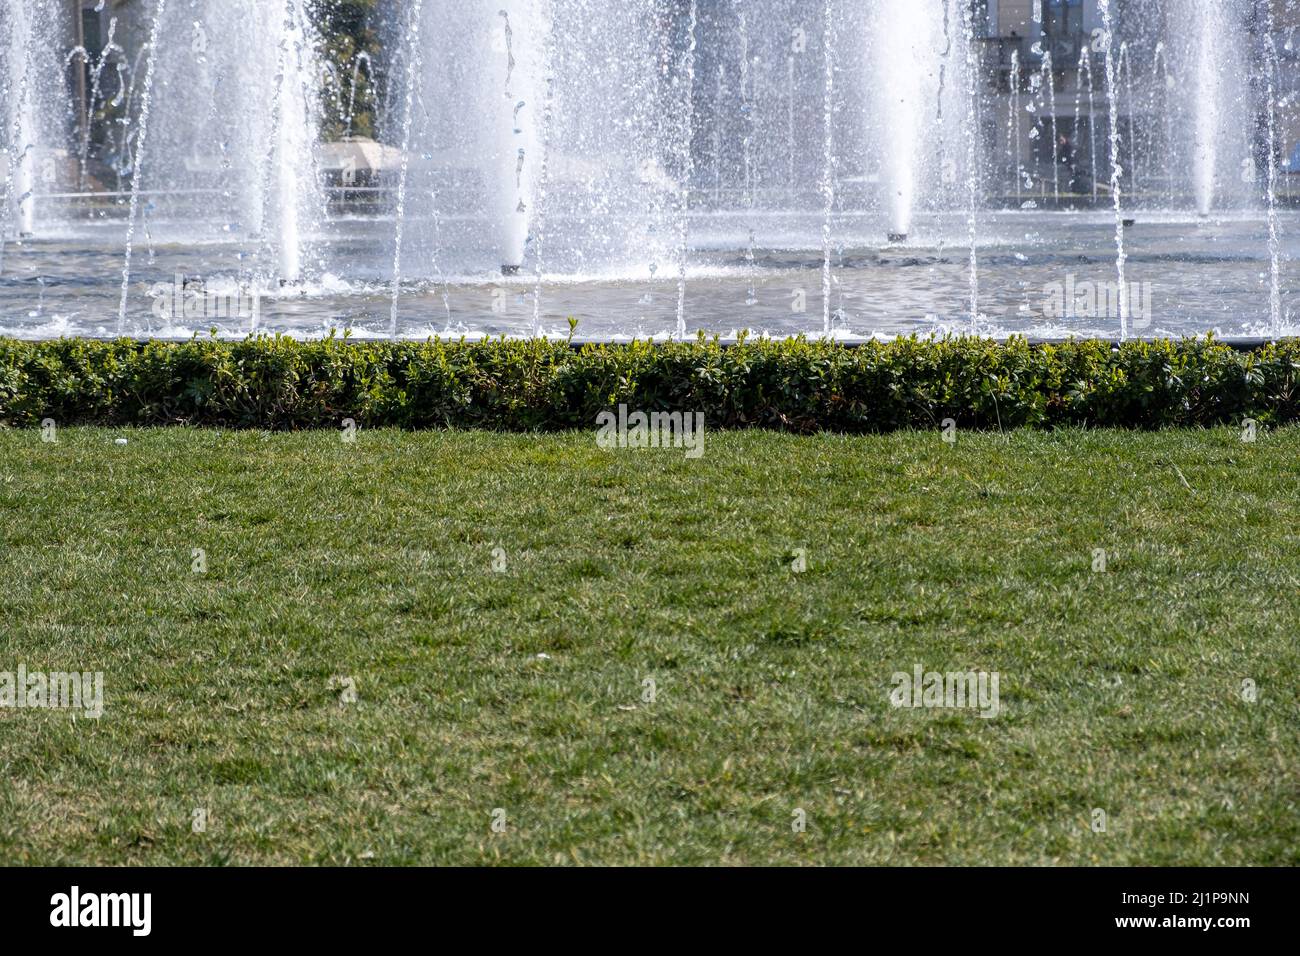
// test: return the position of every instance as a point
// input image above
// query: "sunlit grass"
(526, 689)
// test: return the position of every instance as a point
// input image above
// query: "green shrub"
(795, 385)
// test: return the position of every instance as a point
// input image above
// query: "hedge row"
(800, 386)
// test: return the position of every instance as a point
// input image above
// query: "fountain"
(1208, 17)
(481, 147)
(29, 82)
(415, 59)
(828, 160)
(973, 123)
(1272, 69)
(137, 170)
(480, 123)
(1117, 171)
(905, 77)
(686, 83)
(1014, 163)
(23, 179)
(513, 114)
(905, 80)
(1218, 108)
(649, 168)
(1162, 89)
(227, 129)
(293, 198)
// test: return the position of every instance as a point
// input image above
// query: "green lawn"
(523, 690)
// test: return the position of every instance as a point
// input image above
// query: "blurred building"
(1046, 114)
(1030, 41)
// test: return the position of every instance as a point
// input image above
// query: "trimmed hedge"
(794, 385)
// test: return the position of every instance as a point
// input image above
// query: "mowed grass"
(524, 690)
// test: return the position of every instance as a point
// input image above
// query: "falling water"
(414, 54)
(111, 48)
(23, 133)
(137, 174)
(598, 162)
(905, 62)
(78, 60)
(719, 97)
(1116, 170)
(126, 129)
(1126, 74)
(748, 117)
(1274, 227)
(221, 130)
(1162, 83)
(1050, 84)
(543, 186)
(746, 105)
(361, 57)
(687, 172)
(24, 184)
(1013, 124)
(972, 157)
(1092, 123)
(1207, 102)
(1085, 71)
(295, 135)
(481, 141)
(792, 181)
(14, 157)
(524, 26)
(828, 157)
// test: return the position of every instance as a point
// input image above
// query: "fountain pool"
(1200, 276)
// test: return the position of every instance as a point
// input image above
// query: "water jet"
(1209, 46)
(905, 62)
(26, 81)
